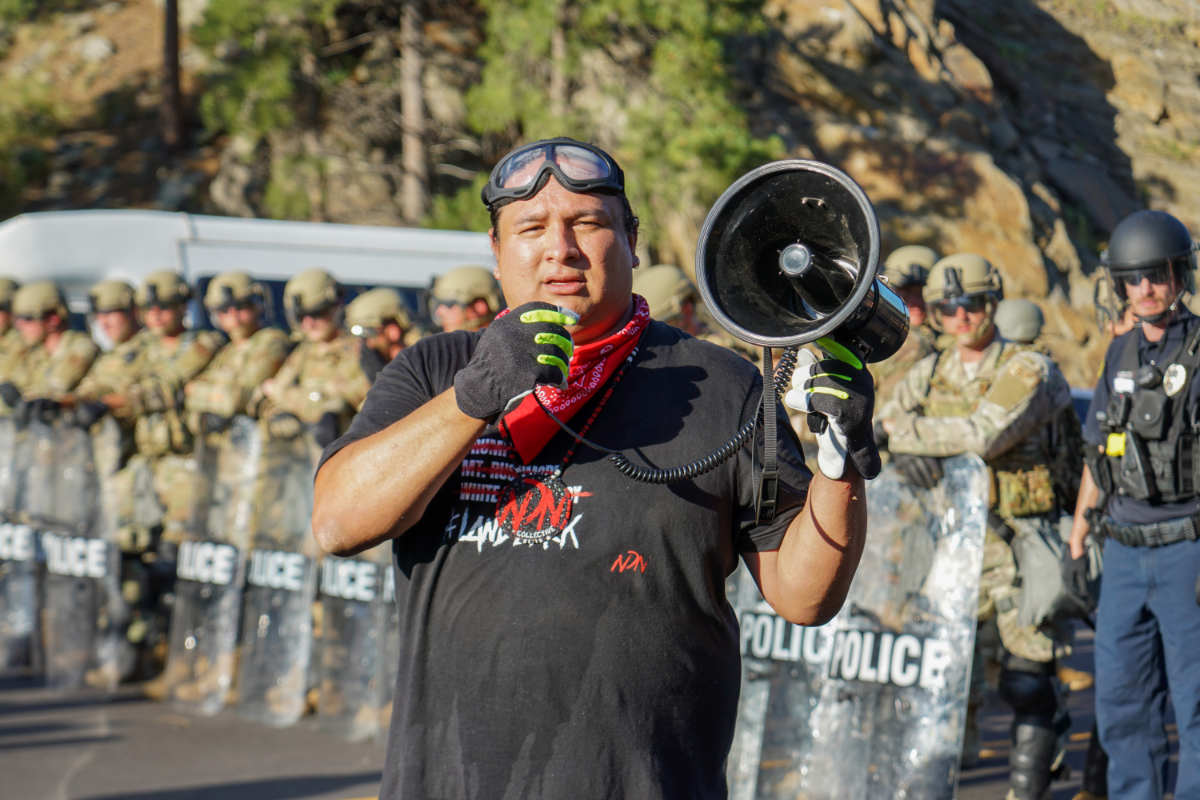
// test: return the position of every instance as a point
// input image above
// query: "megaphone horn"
(788, 255)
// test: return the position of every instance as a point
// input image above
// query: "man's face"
(568, 249)
(117, 326)
(1150, 293)
(968, 321)
(911, 295)
(239, 321)
(451, 316)
(318, 327)
(164, 320)
(33, 329)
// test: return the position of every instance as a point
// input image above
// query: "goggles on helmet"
(578, 166)
(971, 303)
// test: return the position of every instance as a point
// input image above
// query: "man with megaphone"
(565, 630)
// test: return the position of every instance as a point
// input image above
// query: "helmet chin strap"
(1164, 315)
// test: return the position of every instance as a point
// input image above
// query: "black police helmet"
(1149, 238)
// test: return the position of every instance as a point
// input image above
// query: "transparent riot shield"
(19, 589)
(872, 704)
(9, 469)
(389, 659)
(281, 582)
(81, 596)
(353, 619)
(210, 571)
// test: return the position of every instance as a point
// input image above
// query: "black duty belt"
(1152, 534)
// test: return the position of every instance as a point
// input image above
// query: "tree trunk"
(414, 189)
(172, 106)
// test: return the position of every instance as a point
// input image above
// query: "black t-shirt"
(602, 662)
(1160, 353)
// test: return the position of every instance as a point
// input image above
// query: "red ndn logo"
(532, 509)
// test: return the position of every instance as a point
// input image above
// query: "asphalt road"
(82, 746)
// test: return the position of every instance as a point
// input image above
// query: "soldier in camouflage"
(906, 271)
(223, 389)
(1009, 405)
(465, 299)
(321, 384)
(11, 344)
(56, 358)
(382, 324)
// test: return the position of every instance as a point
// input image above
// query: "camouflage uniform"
(41, 373)
(318, 378)
(12, 346)
(921, 341)
(230, 380)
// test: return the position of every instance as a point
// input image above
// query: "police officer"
(382, 324)
(1140, 492)
(1019, 320)
(56, 358)
(1003, 402)
(906, 270)
(237, 304)
(466, 298)
(321, 384)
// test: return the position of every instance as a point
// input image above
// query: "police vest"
(1150, 442)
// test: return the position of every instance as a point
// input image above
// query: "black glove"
(325, 430)
(213, 423)
(527, 346)
(42, 409)
(923, 472)
(284, 425)
(1075, 573)
(10, 394)
(842, 394)
(88, 412)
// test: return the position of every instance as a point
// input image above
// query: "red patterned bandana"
(529, 427)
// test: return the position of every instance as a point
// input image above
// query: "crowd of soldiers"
(955, 386)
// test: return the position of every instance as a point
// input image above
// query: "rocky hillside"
(1021, 130)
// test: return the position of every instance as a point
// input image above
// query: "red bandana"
(530, 429)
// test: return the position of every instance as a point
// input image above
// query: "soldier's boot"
(1031, 762)
(1075, 679)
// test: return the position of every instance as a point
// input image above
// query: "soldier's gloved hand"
(213, 423)
(326, 429)
(10, 394)
(284, 425)
(87, 412)
(841, 393)
(42, 409)
(529, 345)
(924, 472)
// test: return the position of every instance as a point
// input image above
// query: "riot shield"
(210, 571)
(81, 596)
(872, 704)
(353, 619)
(9, 469)
(281, 583)
(389, 659)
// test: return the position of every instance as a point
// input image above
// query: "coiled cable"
(644, 473)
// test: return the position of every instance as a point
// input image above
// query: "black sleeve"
(413, 378)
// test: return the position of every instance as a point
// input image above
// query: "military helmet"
(111, 295)
(38, 299)
(665, 287)
(1148, 239)
(163, 288)
(960, 275)
(463, 285)
(374, 309)
(8, 288)
(1019, 320)
(313, 291)
(232, 289)
(909, 265)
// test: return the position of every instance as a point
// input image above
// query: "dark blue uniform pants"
(1148, 640)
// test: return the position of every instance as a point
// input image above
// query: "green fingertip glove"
(529, 345)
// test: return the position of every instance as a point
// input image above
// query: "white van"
(78, 248)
